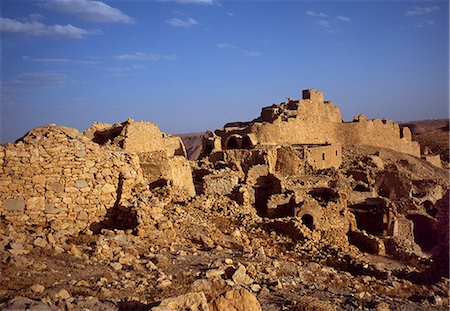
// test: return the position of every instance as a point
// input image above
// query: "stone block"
(108, 188)
(16, 204)
(81, 183)
(36, 203)
(39, 179)
(57, 187)
(80, 154)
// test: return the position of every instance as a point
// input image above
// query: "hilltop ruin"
(312, 123)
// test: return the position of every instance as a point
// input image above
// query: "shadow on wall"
(118, 217)
(108, 135)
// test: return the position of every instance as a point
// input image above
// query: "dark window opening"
(323, 156)
(158, 184)
(372, 223)
(308, 221)
(431, 210)
(370, 220)
(107, 136)
(208, 149)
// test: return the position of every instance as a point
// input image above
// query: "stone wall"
(136, 136)
(58, 178)
(312, 120)
(383, 133)
(326, 156)
(283, 160)
(160, 170)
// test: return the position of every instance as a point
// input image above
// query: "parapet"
(313, 95)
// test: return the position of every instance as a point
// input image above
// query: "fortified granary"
(310, 123)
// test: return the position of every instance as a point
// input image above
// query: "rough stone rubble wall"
(64, 180)
(159, 168)
(146, 137)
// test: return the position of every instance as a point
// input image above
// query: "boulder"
(236, 300)
(189, 301)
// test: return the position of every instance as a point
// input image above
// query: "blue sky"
(192, 65)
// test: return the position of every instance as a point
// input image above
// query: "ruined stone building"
(273, 163)
(286, 164)
(59, 178)
(312, 123)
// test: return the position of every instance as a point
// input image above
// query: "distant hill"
(193, 144)
(431, 134)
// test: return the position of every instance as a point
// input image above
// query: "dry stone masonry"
(57, 177)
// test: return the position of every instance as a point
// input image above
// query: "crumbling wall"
(55, 177)
(312, 120)
(434, 159)
(382, 133)
(135, 136)
(162, 170)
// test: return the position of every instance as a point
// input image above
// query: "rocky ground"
(211, 253)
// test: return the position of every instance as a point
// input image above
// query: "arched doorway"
(232, 143)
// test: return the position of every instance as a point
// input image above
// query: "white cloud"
(315, 14)
(201, 2)
(334, 30)
(252, 53)
(230, 14)
(88, 10)
(41, 79)
(322, 23)
(37, 29)
(343, 18)
(425, 23)
(138, 56)
(416, 11)
(120, 70)
(60, 61)
(327, 26)
(225, 46)
(185, 23)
